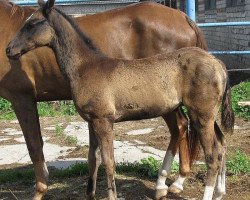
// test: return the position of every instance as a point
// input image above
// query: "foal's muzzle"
(12, 54)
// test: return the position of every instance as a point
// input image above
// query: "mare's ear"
(48, 6)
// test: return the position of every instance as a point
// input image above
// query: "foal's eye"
(30, 26)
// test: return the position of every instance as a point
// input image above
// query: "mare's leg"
(189, 147)
(25, 108)
(184, 167)
(177, 130)
(104, 133)
(94, 162)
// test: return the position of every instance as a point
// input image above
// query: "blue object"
(191, 9)
(224, 24)
(72, 2)
(229, 52)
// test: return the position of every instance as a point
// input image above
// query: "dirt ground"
(131, 186)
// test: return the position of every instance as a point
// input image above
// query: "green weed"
(150, 166)
(59, 130)
(71, 140)
(238, 163)
(241, 92)
(6, 111)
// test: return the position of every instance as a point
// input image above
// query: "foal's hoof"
(41, 190)
(91, 197)
(174, 189)
(161, 194)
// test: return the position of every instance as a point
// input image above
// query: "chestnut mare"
(135, 31)
(109, 90)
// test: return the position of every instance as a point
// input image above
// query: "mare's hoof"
(174, 189)
(161, 194)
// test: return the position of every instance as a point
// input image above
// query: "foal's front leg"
(93, 161)
(104, 133)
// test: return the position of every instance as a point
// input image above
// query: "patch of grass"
(175, 167)
(59, 130)
(71, 140)
(79, 169)
(238, 163)
(150, 166)
(146, 167)
(241, 92)
(45, 109)
(11, 175)
(67, 108)
(6, 111)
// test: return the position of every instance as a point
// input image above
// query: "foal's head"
(36, 32)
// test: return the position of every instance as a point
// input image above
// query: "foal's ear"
(48, 6)
(50, 3)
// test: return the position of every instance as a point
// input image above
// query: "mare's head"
(36, 32)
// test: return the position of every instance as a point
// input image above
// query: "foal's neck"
(72, 48)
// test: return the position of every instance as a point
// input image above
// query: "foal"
(108, 90)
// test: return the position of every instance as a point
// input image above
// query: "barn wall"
(227, 38)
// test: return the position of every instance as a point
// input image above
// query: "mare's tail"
(192, 142)
(227, 114)
(201, 42)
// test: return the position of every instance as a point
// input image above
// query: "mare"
(109, 90)
(136, 31)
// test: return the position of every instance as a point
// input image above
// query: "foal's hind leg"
(25, 108)
(212, 149)
(93, 161)
(221, 179)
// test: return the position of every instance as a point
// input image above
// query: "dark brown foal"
(107, 90)
(135, 31)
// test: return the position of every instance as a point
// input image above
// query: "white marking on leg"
(164, 170)
(179, 182)
(221, 186)
(45, 171)
(208, 194)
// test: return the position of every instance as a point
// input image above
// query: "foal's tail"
(227, 114)
(201, 42)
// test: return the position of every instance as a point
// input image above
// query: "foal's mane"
(84, 37)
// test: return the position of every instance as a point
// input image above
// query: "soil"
(129, 186)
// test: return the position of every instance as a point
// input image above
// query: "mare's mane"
(84, 37)
(14, 9)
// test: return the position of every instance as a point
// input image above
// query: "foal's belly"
(145, 109)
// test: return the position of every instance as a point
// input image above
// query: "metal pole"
(247, 23)
(229, 52)
(190, 4)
